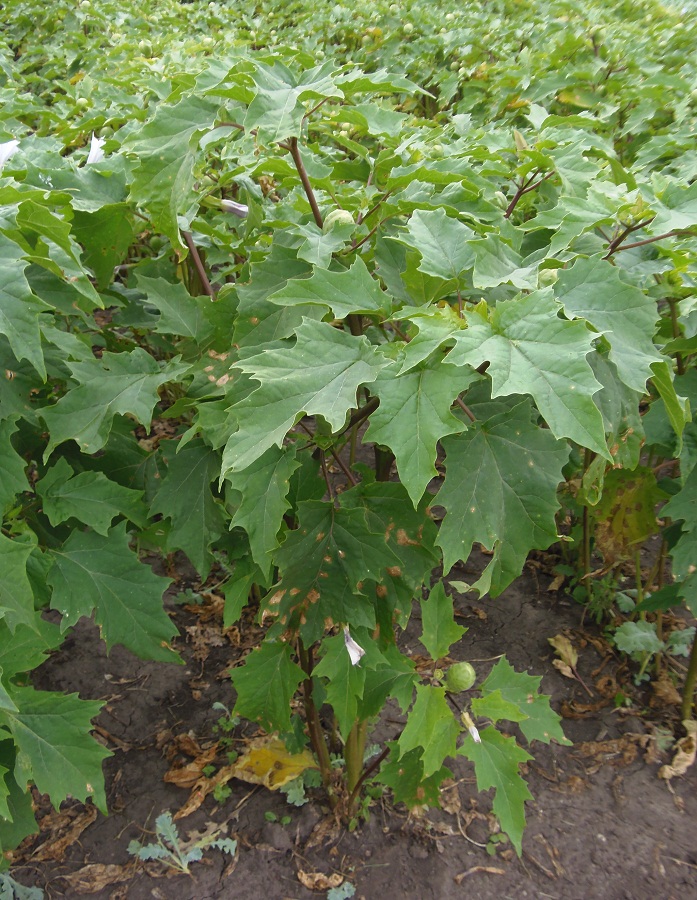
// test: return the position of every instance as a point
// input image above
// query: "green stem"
(638, 580)
(383, 463)
(688, 694)
(353, 753)
(302, 172)
(679, 361)
(586, 555)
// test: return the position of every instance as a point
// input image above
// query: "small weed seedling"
(174, 853)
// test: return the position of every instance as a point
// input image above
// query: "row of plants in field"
(296, 260)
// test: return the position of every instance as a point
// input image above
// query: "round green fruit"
(337, 217)
(460, 677)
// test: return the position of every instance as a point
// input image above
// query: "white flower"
(96, 153)
(237, 209)
(355, 651)
(6, 151)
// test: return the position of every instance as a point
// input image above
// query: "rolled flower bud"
(237, 209)
(355, 651)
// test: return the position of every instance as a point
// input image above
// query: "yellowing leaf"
(564, 650)
(268, 762)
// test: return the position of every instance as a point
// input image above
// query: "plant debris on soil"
(613, 814)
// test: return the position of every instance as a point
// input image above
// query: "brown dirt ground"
(602, 824)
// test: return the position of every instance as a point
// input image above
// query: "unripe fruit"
(546, 277)
(82, 102)
(337, 217)
(145, 48)
(408, 28)
(460, 677)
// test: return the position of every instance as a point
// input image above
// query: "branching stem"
(198, 264)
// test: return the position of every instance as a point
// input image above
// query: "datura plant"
(384, 317)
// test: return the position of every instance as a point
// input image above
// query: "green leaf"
(350, 291)
(414, 414)
(93, 573)
(259, 322)
(500, 490)
(592, 289)
(116, 384)
(264, 487)
(677, 408)
(532, 351)
(236, 590)
(16, 595)
(684, 506)
(319, 375)
(410, 534)
(494, 706)
(6, 703)
(27, 647)
(12, 466)
(497, 760)
(17, 802)
(405, 776)
(180, 313)
(539, 722)
(395, 679)
(106, 235)
(90, 497)
(265, 685)
(431, 727)
(442, 243)
(637, 638)
(56, 750)
(439, 627)
(345, 681)
(278, 108)
(185, 498)
(164, 178)
(322, 563)
(19, 307)
(497, 263)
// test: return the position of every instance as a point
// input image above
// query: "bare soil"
(602, 824)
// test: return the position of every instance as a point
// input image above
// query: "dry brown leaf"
(317, 881)
(556, 582)
(111, 740)
(450, 797)
(619, 751)
(65, 829)
(574, 710)
(664, 692)
(685, 750)
(202, 788)
(563, 668)
(95, 877)
(324, 832)
(487, 870)
(564, 649)
(186, 776)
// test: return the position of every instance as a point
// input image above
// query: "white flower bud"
(237, 209)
